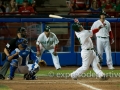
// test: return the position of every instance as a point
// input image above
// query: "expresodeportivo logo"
(88, 74)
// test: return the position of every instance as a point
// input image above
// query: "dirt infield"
(54, 83)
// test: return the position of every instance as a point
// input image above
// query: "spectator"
(108, 6)
(11, 7)
(20, 2)
(26, 9)
(80, 4)
(76, 4)
(69, 4)
(88, 4)
(117, 7)
(2, 7)
(95, 9)
(34, 6)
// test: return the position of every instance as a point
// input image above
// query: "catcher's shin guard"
(13, 66)
(34, 71)
(31, 74)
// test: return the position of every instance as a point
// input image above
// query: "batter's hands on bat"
(76, 20)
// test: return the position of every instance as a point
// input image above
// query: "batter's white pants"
(88, 57)
(54, 58)
(104, 44)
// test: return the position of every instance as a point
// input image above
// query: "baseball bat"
(60, 17)
(100, 58)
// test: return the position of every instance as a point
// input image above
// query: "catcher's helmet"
(47, 29)
(76, 26)
(22, 41)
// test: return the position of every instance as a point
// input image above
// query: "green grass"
(62, 72)
(4, 87)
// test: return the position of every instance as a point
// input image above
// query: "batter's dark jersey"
(10, 46)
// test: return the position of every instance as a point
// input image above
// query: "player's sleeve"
(38, 40)
(109, 27)
(12, 53)
(33, 57)
(93, 26)
(110, 31)
(56, 41)
(9, 44)
(88, 34)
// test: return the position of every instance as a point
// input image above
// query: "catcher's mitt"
(42, 63)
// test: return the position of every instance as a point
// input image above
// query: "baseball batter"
(19, 63)
(48, 41)
(102, 36)
(88, 54)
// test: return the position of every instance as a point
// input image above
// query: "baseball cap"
(47, 29)
(21, 29)
(76, 26)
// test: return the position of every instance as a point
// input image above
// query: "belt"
(90, 49)
(101, 37)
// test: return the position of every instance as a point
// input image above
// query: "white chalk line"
(58, 82)
(89, 86)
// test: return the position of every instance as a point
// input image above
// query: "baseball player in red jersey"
(103, 42)
(48, 41)
(88, 54)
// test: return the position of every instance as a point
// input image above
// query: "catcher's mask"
(23, 42)
(47, 29)
(76, 26)
(22, 30)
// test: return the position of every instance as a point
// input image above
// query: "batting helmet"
(76, 26)
(22, 41)
(47, 29)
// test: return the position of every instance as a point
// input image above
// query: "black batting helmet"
(76, 26)
(47, 29)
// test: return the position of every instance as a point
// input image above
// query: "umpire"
(21, 33)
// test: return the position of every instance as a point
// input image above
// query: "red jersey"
(28, 9)
(80, 3)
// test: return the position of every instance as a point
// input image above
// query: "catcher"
(19, 63)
